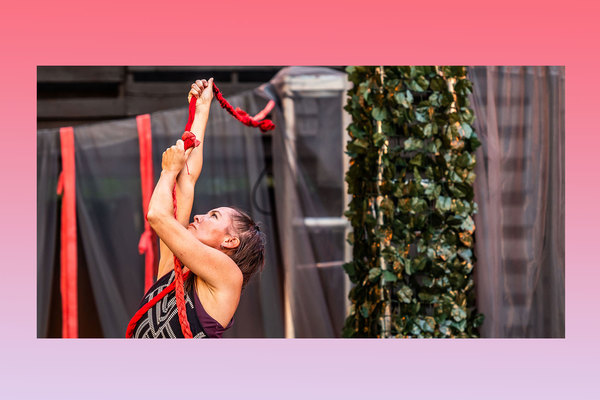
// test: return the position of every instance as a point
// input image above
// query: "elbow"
(154, 217)
(151, 218)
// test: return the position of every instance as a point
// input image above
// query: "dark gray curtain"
(520, 190)
(110, 217)
(48, 164)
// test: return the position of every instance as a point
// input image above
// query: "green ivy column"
(422, 224)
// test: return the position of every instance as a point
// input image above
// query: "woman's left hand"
(202, 90)
(174, 158)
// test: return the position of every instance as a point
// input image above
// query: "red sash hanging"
(68, 235)
(147, 243)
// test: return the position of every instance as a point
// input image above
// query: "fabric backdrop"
(520, 190)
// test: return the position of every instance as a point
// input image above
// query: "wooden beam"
(80, 108)
(80, 74)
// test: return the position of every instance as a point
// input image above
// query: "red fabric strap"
(149, 305)
(68, 236)
(147, 244)
(242, 116)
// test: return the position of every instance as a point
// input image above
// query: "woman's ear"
(231, 242)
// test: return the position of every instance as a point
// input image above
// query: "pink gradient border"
(268, 32)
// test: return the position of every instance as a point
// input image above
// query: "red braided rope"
(189, 140)
(179, 292)
(241, 115)
(149, 305)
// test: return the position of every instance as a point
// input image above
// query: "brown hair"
(250, 254)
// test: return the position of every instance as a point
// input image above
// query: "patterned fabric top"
(162, 320)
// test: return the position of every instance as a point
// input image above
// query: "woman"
(221, 249)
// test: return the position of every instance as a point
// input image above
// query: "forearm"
(186, 180)
(161, 202)
(195, 161)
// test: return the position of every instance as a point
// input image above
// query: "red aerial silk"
(68, 235)
(147, 244)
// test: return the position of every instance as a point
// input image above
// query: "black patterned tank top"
(162, 319)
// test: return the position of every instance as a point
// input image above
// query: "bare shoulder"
(220, 302)
(228, 275)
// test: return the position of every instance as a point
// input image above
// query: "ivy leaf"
(389, 276)
(405, 294)
(466, 238)
(419, 84)
(412, 144)
(474, 142)
(379, 114)
(422, 115)
(408, 266)
(438, 84)
(405, 99)
(349, 268)
(460, 325)
(430, 129)
(443, 203)
(468, 224)
(417, 160)
(467, 130)
(378, 139)
(428, 324)
(478, 320)
(420, 263)
(415, 330)
(466, 254)
(362, 143)
(458, 313)
(445, 328)
(364, 311)
(374, 274)
(355, 131)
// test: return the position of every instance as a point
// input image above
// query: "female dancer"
(221, 249)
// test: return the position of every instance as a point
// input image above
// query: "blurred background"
(290, 179)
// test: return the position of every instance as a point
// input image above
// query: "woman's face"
(213, 228)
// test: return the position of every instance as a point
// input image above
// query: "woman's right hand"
(174, 158)
(202, 90)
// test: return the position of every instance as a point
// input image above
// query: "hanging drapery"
(520, 190)
(68, 236)
(147, 244)
(48, 166)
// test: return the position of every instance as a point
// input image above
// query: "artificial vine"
(414, 267)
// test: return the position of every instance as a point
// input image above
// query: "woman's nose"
(197, 218)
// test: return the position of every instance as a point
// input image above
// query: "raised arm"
(211, 265)
(187, 177)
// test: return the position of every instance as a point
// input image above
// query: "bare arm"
(214, 267)
(186, 182)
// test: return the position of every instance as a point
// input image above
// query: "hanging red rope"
(189, 140)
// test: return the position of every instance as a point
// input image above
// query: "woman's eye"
(214, 215)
